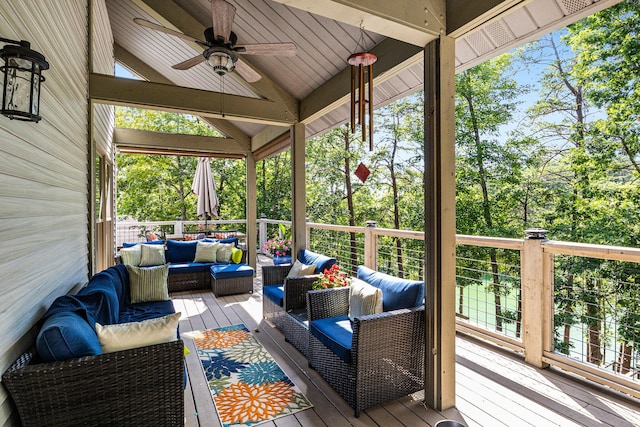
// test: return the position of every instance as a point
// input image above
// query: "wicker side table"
(231, 279)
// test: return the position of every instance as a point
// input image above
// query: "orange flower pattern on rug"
(212, 338)
(242, 403)
(247, 385)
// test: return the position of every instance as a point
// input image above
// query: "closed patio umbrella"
(204, 188)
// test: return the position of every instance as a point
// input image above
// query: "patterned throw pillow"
(299, 269)
(206, 252)
(363, 299)
(224, 252)
(123, 336)
(148, 284)
(151, 255)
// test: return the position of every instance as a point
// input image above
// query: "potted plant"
(331, 278)
(280, 249)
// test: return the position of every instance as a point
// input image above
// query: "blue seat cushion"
(146, 310)
(188, 267)
(321, 262)
(397, 293)
(336, 334)
(226, 271)
(66, 335)
(178, 251)
(275, 293)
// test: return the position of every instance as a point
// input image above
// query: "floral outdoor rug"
(247, 385)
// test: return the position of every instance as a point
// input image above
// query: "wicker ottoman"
(227, 279)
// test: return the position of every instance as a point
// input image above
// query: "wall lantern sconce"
(22, 71)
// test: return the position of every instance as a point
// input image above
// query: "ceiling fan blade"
(247, 72)
(185, 65)
(165, 30)
(283, 49)
(223, 14)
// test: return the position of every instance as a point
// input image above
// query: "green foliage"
(158, 188)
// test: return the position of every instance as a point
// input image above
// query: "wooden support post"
(534, 297)
(251, 210)
(298, 188)
(440, 222)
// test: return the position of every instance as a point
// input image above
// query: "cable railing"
(574, 306)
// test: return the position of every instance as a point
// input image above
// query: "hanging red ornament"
(362, 172)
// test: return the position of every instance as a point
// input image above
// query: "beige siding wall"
(103, 63)
(43, 176)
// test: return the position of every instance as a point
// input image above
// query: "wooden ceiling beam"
(146, 141)
(140, 68)
(414, 22)
(393, 57)
(171, 15)
(107, 89)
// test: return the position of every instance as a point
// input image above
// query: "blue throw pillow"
(233, 240)
(66, 335)
(178, 251)
(322, 262)
(397, 293)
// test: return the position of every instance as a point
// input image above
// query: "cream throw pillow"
(299, 269)
(123, 336)
(206, 252)
(131, 255)
(148, 284)
(224, 252)
(363, 299)
(151, 255)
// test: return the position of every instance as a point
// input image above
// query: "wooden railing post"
(370, 246)
(177, 228)
(262, 233)
(534, 298)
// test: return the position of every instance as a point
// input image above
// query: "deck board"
(493, 387)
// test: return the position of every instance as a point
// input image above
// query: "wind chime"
(361, 74)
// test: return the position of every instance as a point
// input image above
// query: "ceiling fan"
(220, 49)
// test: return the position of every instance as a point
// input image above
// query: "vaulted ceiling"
(311, 87)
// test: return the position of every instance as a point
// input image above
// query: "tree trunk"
(623, 364)
(594, 346)
(353, 254)
(396, 206)
(568, 311)
(496, 289)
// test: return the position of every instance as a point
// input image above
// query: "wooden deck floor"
(493, 387)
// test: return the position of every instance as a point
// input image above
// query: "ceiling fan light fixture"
(221, 61)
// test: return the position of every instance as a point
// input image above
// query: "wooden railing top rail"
(490, 242)
(335, 227)
(617, 253)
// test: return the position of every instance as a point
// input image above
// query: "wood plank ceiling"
(323, 44)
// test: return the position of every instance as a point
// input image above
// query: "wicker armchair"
(140, 386)
(294, 288)
(387, 351)
(289, 293)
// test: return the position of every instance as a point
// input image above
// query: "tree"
(487, 169)
(158, 187)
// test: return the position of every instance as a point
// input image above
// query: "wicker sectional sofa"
(185, 274)
(66, 379)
